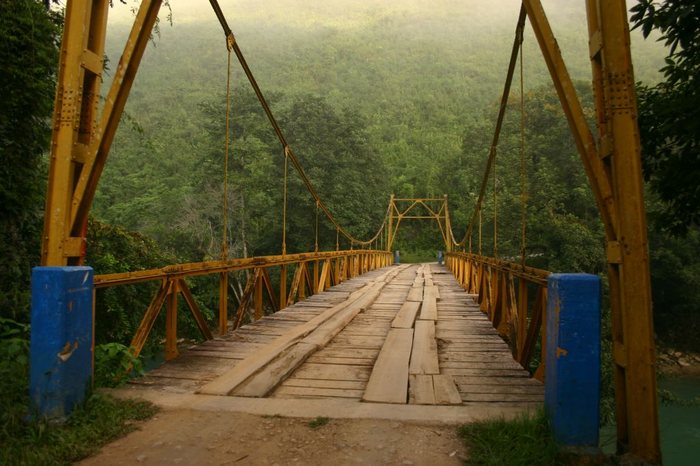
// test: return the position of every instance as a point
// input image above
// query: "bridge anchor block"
(572, 371)
(61, 350)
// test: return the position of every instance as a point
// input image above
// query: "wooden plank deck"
(334, 345)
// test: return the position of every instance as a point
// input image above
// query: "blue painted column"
(61, 348)
(397, 257)
(572, 370)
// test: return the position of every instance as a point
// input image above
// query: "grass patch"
(318, 422)
(525, 440)
(22, 442)
(102, 419)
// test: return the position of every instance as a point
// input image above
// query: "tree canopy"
(29, 55)
(669, 112)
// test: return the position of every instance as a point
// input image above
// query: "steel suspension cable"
(316, 244)
(284, 204)
(499, 123)
(224, 241)
(523, 162)
(495, 207)
(278, 131)
(480, 228)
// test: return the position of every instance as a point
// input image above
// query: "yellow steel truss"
(419, 209)
(81, 141)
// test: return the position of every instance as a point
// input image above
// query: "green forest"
(375, 99)
(395, 99)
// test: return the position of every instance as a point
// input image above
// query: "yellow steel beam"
(149, 318)
(439, 214)
(517, 270)
(613, 167)
(270, 291)
(194, 308)
(283, 287)
(258, 300)
(171, 351)
(79, 145)
(210, 267)
(573, 110)
(223, 303)
(633, 330)
(102, 138)
(77, 94)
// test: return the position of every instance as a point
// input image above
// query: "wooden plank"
(388, 382)
(424, 356)
(469, 339)
(237, 375)
(314, 383)
(445, 389)
(481, 364)
(505, 389)
(218, 354)
(406, 315)
(219, 342)
(500, 397)
(481, 371)
(184, 375)
(359, 341)
(469, 332)
(387, 307)
(331, 351)
(436, 292)
(311, 392)
(332, 372)
(273, 373)
(472, 346)
(420, 390)
(349, 361)
(461, 324)
(415, 294)
(483, 357)
(366, 330)
(428, 310)
(496, 380)
(278, 369)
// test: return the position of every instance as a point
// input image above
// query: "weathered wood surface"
(428, 310)
(389, 380)
(406, 315)
(264, 370)
(424, 354)
(461, 359)
(471, 352)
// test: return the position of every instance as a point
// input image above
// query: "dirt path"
(187, 437)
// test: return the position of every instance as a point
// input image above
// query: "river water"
(679, 424)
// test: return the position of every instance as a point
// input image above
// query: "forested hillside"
(375, 98)
(417, 83)
(397, 97)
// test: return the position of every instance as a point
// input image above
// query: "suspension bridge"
(348, 327)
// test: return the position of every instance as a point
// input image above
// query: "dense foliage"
(669, 119)
(397, 99)
(28, 54)
(384, 101)
(670, 112)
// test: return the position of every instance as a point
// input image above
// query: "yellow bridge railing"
(513, 296)
(313, 273)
